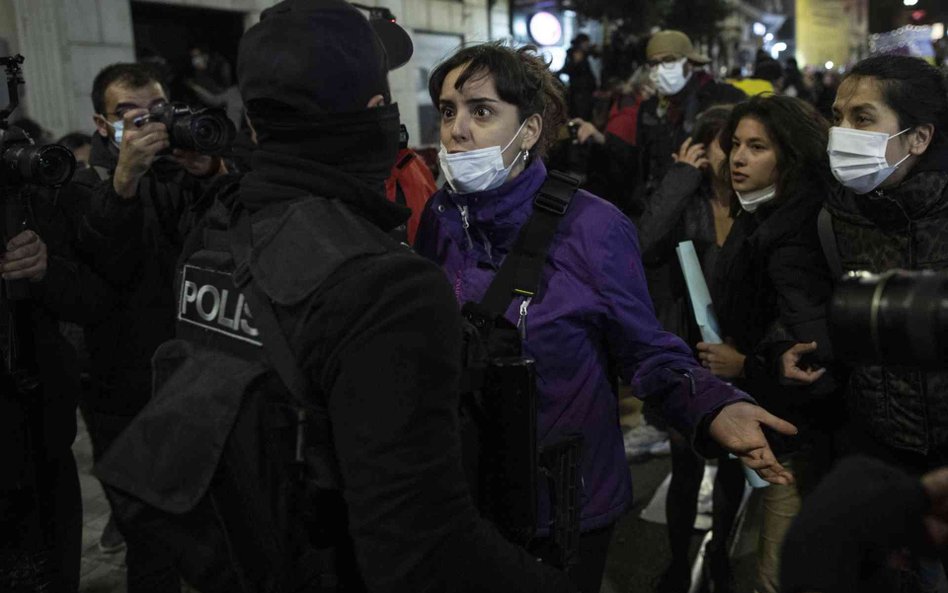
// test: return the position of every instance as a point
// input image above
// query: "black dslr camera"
(24, 164)
(207, 130)
(22, 161)
(895, 318)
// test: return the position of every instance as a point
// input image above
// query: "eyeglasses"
(120, 113)
(666, 61)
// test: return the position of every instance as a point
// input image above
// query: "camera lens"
(54, 165)
(208, 131)
(896, 318)
(51, 165)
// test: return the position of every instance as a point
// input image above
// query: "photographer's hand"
(25, 257)
(199, 165)
(140, 146)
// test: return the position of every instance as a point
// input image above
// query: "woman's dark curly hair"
(522, 78)
(799, 133)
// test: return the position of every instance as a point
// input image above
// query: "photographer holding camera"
(132, 210)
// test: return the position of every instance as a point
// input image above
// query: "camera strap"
(521, 270)
(559, 462)
(828, 243)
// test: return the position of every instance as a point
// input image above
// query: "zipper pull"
(466, 224)
(522, 322)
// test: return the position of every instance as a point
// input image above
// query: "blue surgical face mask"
(118, 128)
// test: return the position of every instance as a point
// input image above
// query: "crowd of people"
(284, 396)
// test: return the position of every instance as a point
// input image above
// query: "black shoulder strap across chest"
(828, 242)
(281, 355)
(520, 272)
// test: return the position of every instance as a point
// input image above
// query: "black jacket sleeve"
(107, 228)
(798, 271)
(390, 334)
(663, 210)
(71, 290)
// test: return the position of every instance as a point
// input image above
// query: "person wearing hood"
(500, 109)
(372, 327)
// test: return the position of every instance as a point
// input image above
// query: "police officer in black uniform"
(372, 328)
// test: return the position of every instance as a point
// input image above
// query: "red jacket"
(412, 176)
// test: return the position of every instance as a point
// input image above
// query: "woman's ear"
(532, 129)
(922, 139)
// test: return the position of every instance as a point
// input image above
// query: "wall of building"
(66, 42)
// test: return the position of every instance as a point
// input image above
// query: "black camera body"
(22, 162)
(203, 130)
(897, 318)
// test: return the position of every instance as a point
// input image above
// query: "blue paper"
(699, 293)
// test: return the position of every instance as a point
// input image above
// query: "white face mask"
(118, 128)
(857, 158)
(669, 78)
(752, 200)
(477, 170)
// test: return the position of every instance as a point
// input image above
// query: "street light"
(910, 2)
(760, 28)
(777, 48)
(829, 65)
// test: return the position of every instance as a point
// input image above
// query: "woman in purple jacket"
(500, 109)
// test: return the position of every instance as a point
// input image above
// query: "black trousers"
(681, 505)
(149, 569)
(41, 529)
(593, 549)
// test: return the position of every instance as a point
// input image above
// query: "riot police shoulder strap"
(274, 341)
(520, 272)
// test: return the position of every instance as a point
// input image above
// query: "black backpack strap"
(281, 356)
(274, 341)
(521, 270)
(828, 242)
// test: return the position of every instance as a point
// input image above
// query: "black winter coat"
(678, 210)
(771, 287)
(42, 425)
(665, 123)
(376, 330)
(906, 227)
(134, 244)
